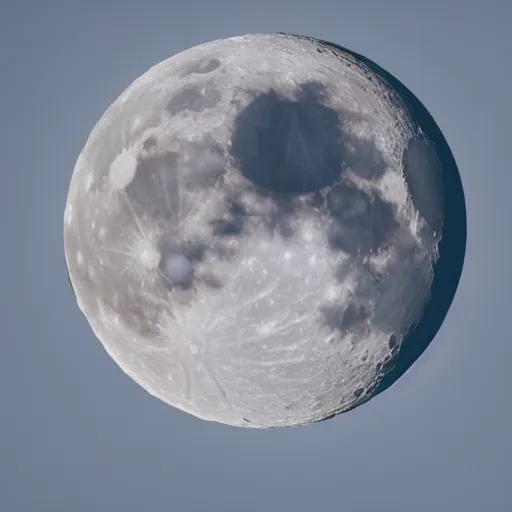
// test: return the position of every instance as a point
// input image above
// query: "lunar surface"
(253, 230)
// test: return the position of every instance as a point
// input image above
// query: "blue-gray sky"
(77, 434)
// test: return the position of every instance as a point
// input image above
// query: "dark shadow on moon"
(289, 146)
(452, 247)
(300, 146)
(339, 317)
(286, 150)
(233, 222)
(357, 223)
(193, 99)
(363, 157)
(149, 143)
(360, 224)
(276, 220)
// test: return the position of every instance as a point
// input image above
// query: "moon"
(265, 231)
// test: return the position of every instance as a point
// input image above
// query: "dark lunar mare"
(281, 145)
(452, 247)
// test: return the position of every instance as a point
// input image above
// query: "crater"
(177, 268)
(122, 170)
(149, 143)
(424, 181)
(203, 66)
(358, 392)
(289, 146)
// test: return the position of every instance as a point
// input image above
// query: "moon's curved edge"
(452, 246)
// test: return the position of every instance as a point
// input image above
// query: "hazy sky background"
(78, 435)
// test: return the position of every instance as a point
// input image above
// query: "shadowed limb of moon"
(452, 247)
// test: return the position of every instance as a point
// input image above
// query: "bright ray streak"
(135, 216)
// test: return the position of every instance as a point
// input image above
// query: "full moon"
(265, 231)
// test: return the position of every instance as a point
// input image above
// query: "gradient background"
(77, 435)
